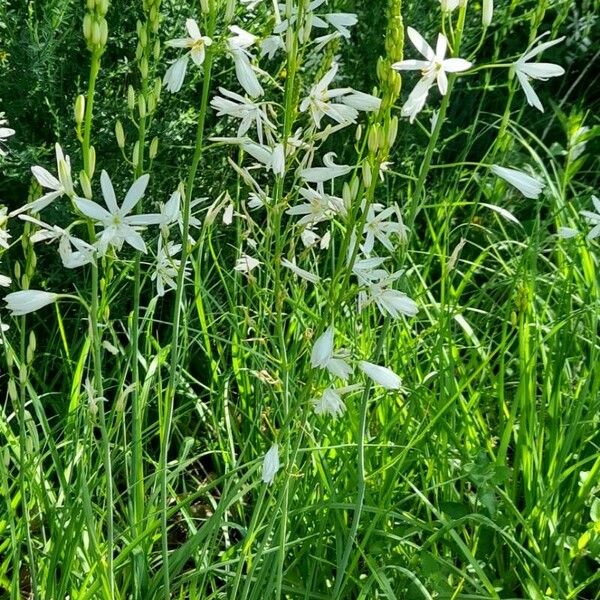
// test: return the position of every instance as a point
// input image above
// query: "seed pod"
(120, 134)
(79, 109)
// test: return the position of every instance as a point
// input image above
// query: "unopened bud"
(86, 186)
(144, 67)
(230, 10)
(103, 32)
(92, 163)
(135, 157)
(156, 51)
(366, 174)
(87, 27)
(487, 12)
(120, 134)
(102, 7)
(12, 391)
(25, 282)
(204, 7)
(354, 186)
(381, 137)
(373, 139)
(141, 106)
(17, 270)
(96, 34)
(358, 133)
(91, 4)
(153, 148)
(79, 109)
(392, 131)
(151, 102)
(130, 98)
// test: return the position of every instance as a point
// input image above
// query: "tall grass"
(139, 428)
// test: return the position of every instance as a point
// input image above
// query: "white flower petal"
(381, 375)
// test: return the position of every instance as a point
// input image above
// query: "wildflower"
(170, 213)
(242, 108)
(167, 267)
(5, 133)
(318, 207)
(118, 226)
(83, 254)
(296, 270)
(4, 281)
(270, 465)
(326, 173)
(594, 218)
(381, 375)
(238, 46)
(376, 227)
(197, 45)
(377, 283)
(502, 212)
(59, 187)
(542, 71)
(246, 263)
(527, 185)
(27, 301)
(271, 45)
(330, 404)
(345, 111)
(322, 356)
(433, 70)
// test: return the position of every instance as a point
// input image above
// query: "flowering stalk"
(169, 398)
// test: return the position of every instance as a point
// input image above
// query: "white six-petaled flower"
(119, 226)
(433, 70)
(322, 356)
(197, 43)
(330, 403)
(527, 70)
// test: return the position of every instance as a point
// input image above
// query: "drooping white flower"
(434, 69)
(245, 264)
(449, 5)
(197, 43)
(4, 281)
(502, 212)
(27, 301)
(244, 109)
(238, 46)
(270, 464)
(527, 185)
(345, 110)
(526, 70)
(594, 219)
(118, 225)
(378, 290)
(59, 187)
(273, 158)
(326, 173)
(381, 375)
(330, 403)
(322, 356)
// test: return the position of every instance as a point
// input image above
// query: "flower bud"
(358, 133)
(156, 51)
(17, 270)
(92, 165)
(392, 131)
(141, 106)
(230, 10)
(25, 282)
(79, 109)
(354, 187)
(12, 391)
(373, 139)
(103, 32)
(381, 137)
(130, 98)
(86, 186)
(487, 12)
(135, 156)
(153, 148)
(91, 4)
(204, 7)
(96, 34)
(144, 67)
(102, 7)
(367, 175)
(120, 134)
(143, 38)
(151, 102)
(87, 27)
